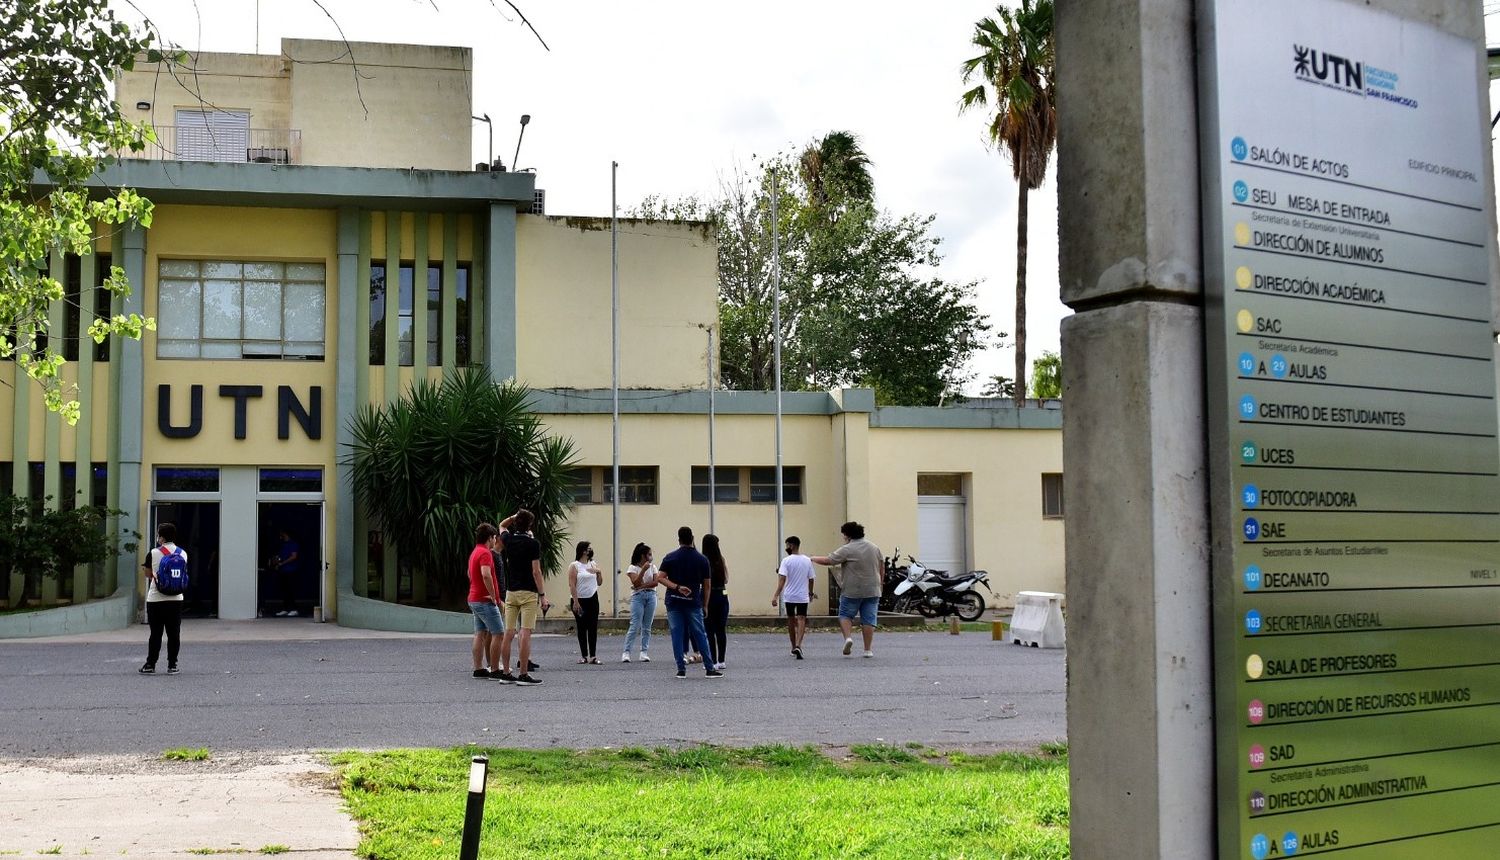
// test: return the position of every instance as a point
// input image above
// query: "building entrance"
(289, 544)
(198, 534)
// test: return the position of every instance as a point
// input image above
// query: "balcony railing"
(201, 143)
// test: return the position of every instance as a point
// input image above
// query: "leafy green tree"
(1014, 74)
(999, 385)
(1046, 376)
(432, 466)
(41, 543)
(861, 303)
(59, 122)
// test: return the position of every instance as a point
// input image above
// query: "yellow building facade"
(287, 286)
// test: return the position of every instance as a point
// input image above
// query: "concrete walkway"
(134, 806)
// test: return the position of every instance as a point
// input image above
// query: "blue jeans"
(685, 620)
(642, 613)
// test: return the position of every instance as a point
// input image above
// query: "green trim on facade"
(83, 438)
(310, 186)
(131, 424)
(419, 320)
(450, 295)
(392, 387)
(500, 293)
(478, 270)
(346, 394)
(20, 435)
(52, 422)
(369, 614)
(967, 418)
(112, 413)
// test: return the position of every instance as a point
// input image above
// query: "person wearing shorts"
(523, 593)
(794, 581)
(859, 569)
(484, 602)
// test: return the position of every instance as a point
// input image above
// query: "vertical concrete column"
(500, 292)
(1140, 726)
(346, 400)
(130, 395)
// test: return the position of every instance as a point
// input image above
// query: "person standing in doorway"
(523, 593)
(717, 620)
(163, 611)
(285, 563)
(686, 575)
(484, 602)
(642, 576)
(859, 569)
(794, 580)
(583, 585)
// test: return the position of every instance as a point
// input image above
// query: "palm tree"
(836, 172)
(1014, 73)
(430, 467)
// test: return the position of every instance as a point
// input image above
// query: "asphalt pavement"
(295, 688)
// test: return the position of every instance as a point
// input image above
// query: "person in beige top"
(859, 569)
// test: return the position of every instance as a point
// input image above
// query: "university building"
(321, 239)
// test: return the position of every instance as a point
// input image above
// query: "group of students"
(696, 599)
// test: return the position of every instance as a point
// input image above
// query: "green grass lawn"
(764, 802)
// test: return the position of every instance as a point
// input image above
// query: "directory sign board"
(1355, 473)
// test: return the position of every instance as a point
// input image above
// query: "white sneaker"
(645, 658)
(719, 666)
(848, 647)
(624, 658)
(869, 653)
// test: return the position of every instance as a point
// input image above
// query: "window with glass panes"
(1052, 496)
(228, 309)
(591, 485)
(403, 307)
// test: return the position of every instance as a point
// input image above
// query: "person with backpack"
(166, 581)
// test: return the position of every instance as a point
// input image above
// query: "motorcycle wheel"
(926, 611)
(969, 606)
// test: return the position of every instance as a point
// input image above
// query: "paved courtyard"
(82, 696)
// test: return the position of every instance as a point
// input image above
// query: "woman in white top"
(642, 575)
(583, 584)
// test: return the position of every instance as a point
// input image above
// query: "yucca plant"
(448, 456)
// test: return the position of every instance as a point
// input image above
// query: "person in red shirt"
(484, 602)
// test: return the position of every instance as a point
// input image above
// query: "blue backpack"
(172, 574)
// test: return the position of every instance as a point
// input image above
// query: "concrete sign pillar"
(1140, 661)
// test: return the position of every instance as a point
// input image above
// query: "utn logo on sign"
(1331, 70)
(1347, 76)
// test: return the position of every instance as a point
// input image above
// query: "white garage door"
(940, 533)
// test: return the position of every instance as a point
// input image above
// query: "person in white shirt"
(794, 582)
(163, 611)
(642, 575)
(583, 585)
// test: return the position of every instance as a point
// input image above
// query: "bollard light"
(474, 812)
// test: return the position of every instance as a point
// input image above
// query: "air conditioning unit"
(538, 202)
(268, 155)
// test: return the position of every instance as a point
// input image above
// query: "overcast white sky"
(678, 91)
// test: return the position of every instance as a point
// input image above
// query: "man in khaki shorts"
(523, 593)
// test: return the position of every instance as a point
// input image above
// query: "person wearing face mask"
(583, 585)
(642, 576)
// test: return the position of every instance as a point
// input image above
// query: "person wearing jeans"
(642, 576)
(686, 575)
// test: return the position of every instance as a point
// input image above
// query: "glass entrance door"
(198, 534)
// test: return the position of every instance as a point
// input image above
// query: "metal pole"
(614, 335)
(776, 331)
(479, 767)
(711, 528)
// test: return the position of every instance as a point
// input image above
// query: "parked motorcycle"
(934, 593)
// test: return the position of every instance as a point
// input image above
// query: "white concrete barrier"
(1038, 620)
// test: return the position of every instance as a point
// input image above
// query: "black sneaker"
(503, 677)
(532, 665)
(713, 673)
(172, 670)
(682, 673)
(148, 669)
(481, 673)
(797, 652)
(525, 680)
